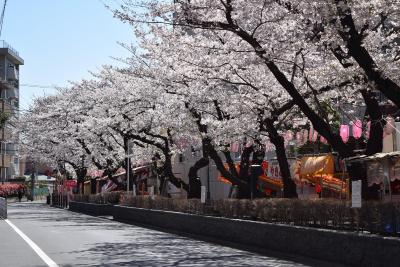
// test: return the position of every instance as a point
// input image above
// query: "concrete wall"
(341, 247)
(3, 208)
(90, 208)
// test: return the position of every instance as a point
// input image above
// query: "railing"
(4, 44)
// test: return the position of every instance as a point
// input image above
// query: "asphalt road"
(72, 239)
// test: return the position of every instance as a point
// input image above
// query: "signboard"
(203, 194)
(356, 194)
(70, 183)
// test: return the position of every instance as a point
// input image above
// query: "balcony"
(5, 106)
(6, 49)
(5, 134)
(5, 161)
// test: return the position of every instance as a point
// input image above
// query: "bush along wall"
(374, 217)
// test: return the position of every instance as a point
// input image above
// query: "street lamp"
(255, 173)
(128, 156)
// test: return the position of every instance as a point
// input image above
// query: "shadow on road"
(93, 241)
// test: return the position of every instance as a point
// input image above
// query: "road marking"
(35, 247)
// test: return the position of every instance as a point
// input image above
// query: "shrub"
(101, 198)
(11, 190)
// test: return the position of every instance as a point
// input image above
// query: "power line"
(38, 86)
(2, 16)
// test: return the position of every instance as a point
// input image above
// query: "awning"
(376, 156)
(313, 167)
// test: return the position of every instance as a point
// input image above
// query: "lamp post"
(208, 183)
(255, 173)
(128, 156)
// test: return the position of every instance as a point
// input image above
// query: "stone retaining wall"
(3, 208)
(333, 246)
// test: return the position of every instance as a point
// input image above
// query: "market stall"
(269, 182)
(383, 169)
(324, 174)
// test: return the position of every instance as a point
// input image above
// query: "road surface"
(37, 235)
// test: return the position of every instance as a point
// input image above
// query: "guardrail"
(4, 44)
(3, 208)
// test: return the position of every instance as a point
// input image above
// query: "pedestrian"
(20, 194)
(318, 190)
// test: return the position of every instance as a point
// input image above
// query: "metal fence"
(3, 208)
(4, 44)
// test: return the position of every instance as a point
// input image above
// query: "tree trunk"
(356, 49)
(128, 162)
(194, 181)
(289, 187)
(81, 174)
(375, 141)
(167, 170)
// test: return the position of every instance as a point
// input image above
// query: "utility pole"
(33, 180)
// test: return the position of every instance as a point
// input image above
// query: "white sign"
(134, 190)
(151, 191)
(51, 189)
(356, 194)
(203, 194)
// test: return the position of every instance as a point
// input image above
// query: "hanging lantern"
(357, 129)
(289, 136)
(305, 136)
(368, 130)
(249, 143)
(344, 132)
(311, 133)
(390, 125)
(323, 140)
(299, 138)
(315, 136)
(235, 147)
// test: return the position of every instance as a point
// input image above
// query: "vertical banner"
(356, 194)
(203, 194)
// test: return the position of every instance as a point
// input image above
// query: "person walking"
(20, 193)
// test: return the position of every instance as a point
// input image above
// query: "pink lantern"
(357, 129)
(305, 136)
(315, 136)
(299, 137)
(389, 127)
(344, 132)
(235, 147)
(323, 140)
(368, 130)
(311, 133)
(249, 143)
(289, 136)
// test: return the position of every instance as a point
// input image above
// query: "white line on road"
(35, 247)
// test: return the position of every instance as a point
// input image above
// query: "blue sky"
(61, 40)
